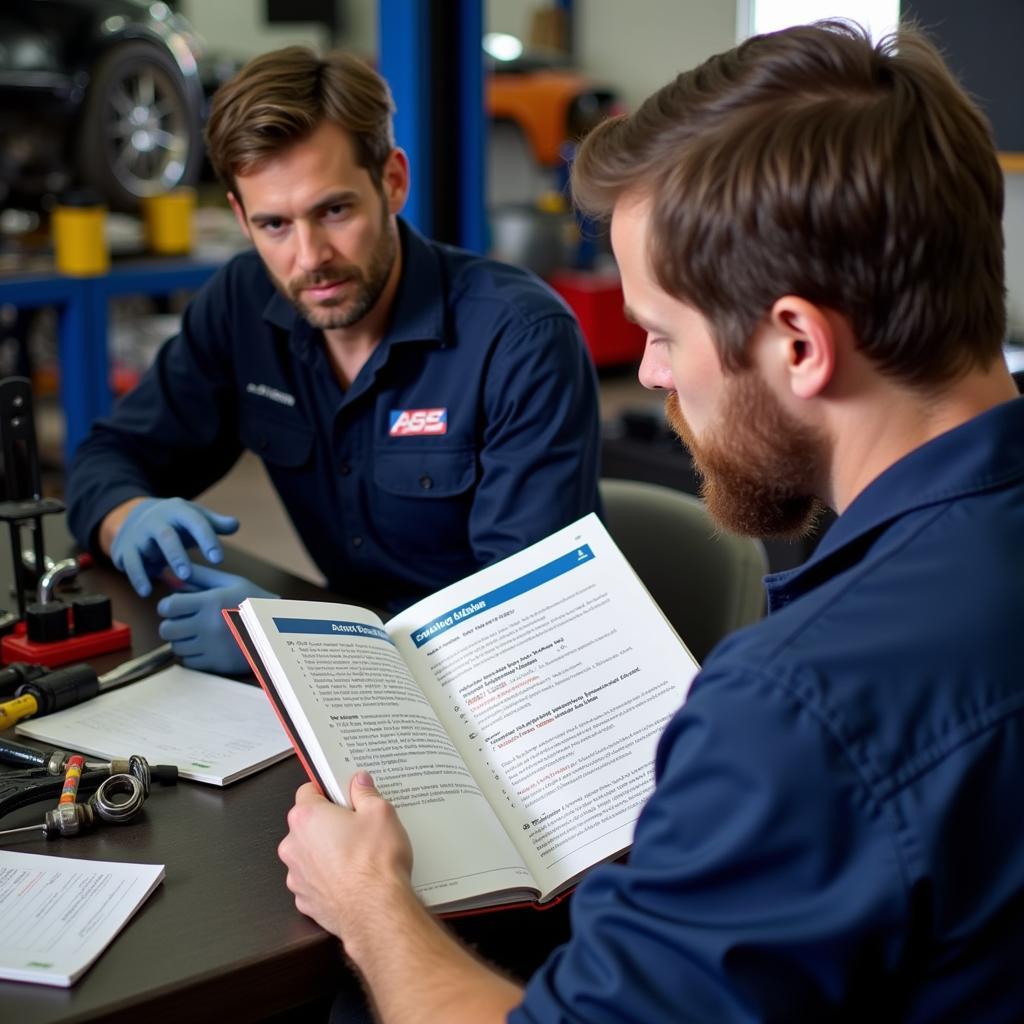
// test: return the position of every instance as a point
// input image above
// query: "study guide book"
(511, 718)
(216, 730)
(57, 914)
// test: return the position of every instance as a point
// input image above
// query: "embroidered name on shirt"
(405, 422)
(281, 397)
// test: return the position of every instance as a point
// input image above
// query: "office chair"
(708, 583)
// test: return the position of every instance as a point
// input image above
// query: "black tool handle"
(165, 774)
(18, 754)
(62, 688)
(18, 672)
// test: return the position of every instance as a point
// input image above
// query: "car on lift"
(104, 94)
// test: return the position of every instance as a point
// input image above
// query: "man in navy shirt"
(421, 411)
(809, 229)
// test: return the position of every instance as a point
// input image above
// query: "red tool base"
(18, 647)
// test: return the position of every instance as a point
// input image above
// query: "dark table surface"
(219, 939)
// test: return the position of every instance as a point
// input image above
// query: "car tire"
(139, 134)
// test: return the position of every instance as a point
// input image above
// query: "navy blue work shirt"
(837, 828)
(471, 432)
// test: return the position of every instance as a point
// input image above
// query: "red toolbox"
(596, 299)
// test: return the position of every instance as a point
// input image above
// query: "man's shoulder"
(235, 306)
(905, 652)
(510, 292)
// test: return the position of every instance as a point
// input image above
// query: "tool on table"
(66, 687)
(45, 631)
(74, 772)
(119, 787)
(18, 672)
(50, 574)
(118, 799)
(55, 632)
(39, 775)
(28, 559)
(55, 762)
(24, 503)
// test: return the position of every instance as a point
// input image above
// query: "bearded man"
(420, 410)
(809, 230)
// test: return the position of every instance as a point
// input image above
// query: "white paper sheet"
(58, 914)
(215, 730)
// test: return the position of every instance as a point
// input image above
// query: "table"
(82, 310)
(220, 939)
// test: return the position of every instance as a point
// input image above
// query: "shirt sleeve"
(541, 446)
(764, 883)
(175, 433)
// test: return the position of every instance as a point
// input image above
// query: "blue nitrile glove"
(158, 532)
(195, 627)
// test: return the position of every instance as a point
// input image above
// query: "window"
(757, 16)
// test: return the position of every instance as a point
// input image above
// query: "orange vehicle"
(550, 105)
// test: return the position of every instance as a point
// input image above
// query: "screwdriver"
(54, 762)
(117, 801)
(66, 687)
(65, 820)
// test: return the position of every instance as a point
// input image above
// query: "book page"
(57, 914)
(356, 705)
(554, 672)
(216, 730)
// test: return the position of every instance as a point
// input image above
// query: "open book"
(511, 718)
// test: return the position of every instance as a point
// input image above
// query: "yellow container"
(168, 221)
(80, 239)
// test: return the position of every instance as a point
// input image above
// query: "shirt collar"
(985, 452)
(418, 313)
(418, 310)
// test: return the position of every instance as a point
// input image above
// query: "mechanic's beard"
(758, 465)
(366, 288)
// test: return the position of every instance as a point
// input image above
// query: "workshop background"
(491, 96)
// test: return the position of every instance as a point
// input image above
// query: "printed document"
(57, 914)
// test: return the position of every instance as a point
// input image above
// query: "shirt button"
(425, 482)
(344, 469)
(263, 443)
(357, 542)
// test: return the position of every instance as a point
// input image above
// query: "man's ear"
(805, 336)
(239, 213)
(395, 180)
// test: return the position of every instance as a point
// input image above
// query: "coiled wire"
(139, 767)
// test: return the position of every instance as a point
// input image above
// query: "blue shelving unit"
(83, 304)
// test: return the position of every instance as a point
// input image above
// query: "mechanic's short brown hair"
(811, 162)
(282, 97)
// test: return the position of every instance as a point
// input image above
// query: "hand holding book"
(520, 706)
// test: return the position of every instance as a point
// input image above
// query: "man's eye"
(337, 211)
(273, 227)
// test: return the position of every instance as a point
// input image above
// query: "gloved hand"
(157, 532)
(196, 629)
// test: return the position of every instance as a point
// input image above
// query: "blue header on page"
(485, 602)
(332, 627)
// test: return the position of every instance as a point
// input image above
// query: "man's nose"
(313, 248)
(655, 369)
